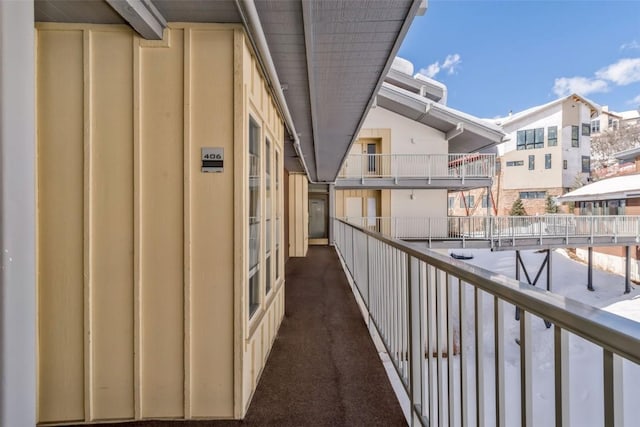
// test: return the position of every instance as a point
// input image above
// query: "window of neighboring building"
(586, 164)
(521, 141)
(533, 194)
(267, 215)
(552, 136)
(575, 136)
(529, 139)
(469, 199)
(564, 164)
(613, 123)
(586, 129)
(603, 207)
(595, 126)
(516, 163)
(538, 138)
(254, 216)
(532, 162)
(547, 161)
(451, 202)
(486, 201)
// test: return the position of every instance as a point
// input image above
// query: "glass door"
(318, 216)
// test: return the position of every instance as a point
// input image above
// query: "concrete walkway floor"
(324, 369)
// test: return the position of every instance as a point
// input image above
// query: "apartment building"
(412, 150)
(144, 224)
(546, 152)
(615, 196)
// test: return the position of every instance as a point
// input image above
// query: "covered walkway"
(323, 369)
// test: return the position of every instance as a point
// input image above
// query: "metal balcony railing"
(429, 166)
(499, 228)
(443, 325)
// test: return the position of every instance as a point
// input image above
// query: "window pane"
(532, 162)
(254, 216)
(530, 133)
(575, 141)
(539, 138)
(552, 136)
(547, 161)
(521, 140)
(586, 129)
(586, 164)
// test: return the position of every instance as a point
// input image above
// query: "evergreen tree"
(550, 205)
(517, 209)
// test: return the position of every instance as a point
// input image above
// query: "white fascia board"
(438, 111)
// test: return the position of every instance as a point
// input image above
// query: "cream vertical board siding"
(161, 229)
(60, 151)
(211, 200)
(111, 224)
(298, 215)
(141, 261)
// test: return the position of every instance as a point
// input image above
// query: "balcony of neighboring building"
(419, 171)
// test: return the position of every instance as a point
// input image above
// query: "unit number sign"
(212, 159)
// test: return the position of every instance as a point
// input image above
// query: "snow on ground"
(569, 278)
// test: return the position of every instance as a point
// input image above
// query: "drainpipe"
(251, 20)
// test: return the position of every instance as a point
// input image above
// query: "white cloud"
(564, 86)
(451, 62)
(633, 44)
(431, 70)
(450, 65)
(623, 72)
(634, 101)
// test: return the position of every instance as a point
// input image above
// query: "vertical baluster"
(439, 346)
(451, 352)
(464, 381)
(561, 383)
(526, 406)
(479, 337)
(498, 319)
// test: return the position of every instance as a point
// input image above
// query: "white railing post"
(415, 339)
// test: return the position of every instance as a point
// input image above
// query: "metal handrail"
(399, 287)
(499, 228)
(437, 166)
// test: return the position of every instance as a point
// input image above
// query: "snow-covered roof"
(400, 75)
(509, 120)
(629, 115)
(403, 65)
(619, 187)
(629, 154)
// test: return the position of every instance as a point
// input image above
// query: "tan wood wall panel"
(111, 230)
(161, 256)
(212, 196)
(139, 264)
(298, 215)
(60, 102)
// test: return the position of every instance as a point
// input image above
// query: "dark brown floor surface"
(323, 369)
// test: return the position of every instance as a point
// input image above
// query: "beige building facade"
(160, 287)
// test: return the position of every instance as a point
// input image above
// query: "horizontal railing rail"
(499, 228)
(444, 325)
(429, 166)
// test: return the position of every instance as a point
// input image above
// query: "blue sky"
(497, 56)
